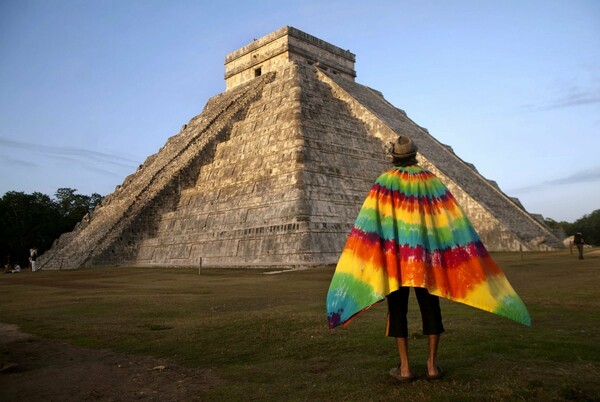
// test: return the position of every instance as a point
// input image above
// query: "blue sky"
(89, 89)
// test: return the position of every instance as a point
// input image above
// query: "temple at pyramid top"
(287, 44)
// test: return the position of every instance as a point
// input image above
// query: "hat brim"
(403, 156)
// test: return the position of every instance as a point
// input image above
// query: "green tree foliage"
(589, 226)
(36, 220)
(562, 225)
(73, 207)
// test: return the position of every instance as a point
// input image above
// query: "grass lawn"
(266, 336)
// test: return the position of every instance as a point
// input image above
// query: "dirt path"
(37, 369)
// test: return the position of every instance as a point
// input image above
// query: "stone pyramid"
(273, 172)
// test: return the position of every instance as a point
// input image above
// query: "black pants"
(429, 305)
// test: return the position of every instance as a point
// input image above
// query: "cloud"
(573, 99)
(92, 160)
(584, 176)
(580, 87)
(10, 161)
(576, 99)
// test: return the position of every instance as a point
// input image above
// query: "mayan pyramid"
(273, 172)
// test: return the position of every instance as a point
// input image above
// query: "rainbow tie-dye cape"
(411, 232)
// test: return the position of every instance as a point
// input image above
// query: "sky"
(90, 88)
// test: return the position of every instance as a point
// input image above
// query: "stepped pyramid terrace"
(273, 172)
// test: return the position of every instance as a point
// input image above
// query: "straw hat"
(403, 147)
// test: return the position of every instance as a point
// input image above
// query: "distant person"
(16, 269)
(33, 259)
(410, 232)
(579, 243)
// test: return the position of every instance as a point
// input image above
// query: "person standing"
(33, 259)
(579, 243)
(411, 232)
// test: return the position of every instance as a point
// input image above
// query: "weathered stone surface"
(278, 48)
(274, 171)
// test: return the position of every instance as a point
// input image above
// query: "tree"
(73, 207)
(589, 226)
(26, 220)
(562, 225)
(36, 220)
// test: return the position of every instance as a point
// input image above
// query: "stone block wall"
(283, 189)
(242, 206)
(501, 223)
(287, 44)
(341, 162)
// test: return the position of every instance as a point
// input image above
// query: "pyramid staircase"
(92, 237)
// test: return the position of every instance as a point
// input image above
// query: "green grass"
(266, 336)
